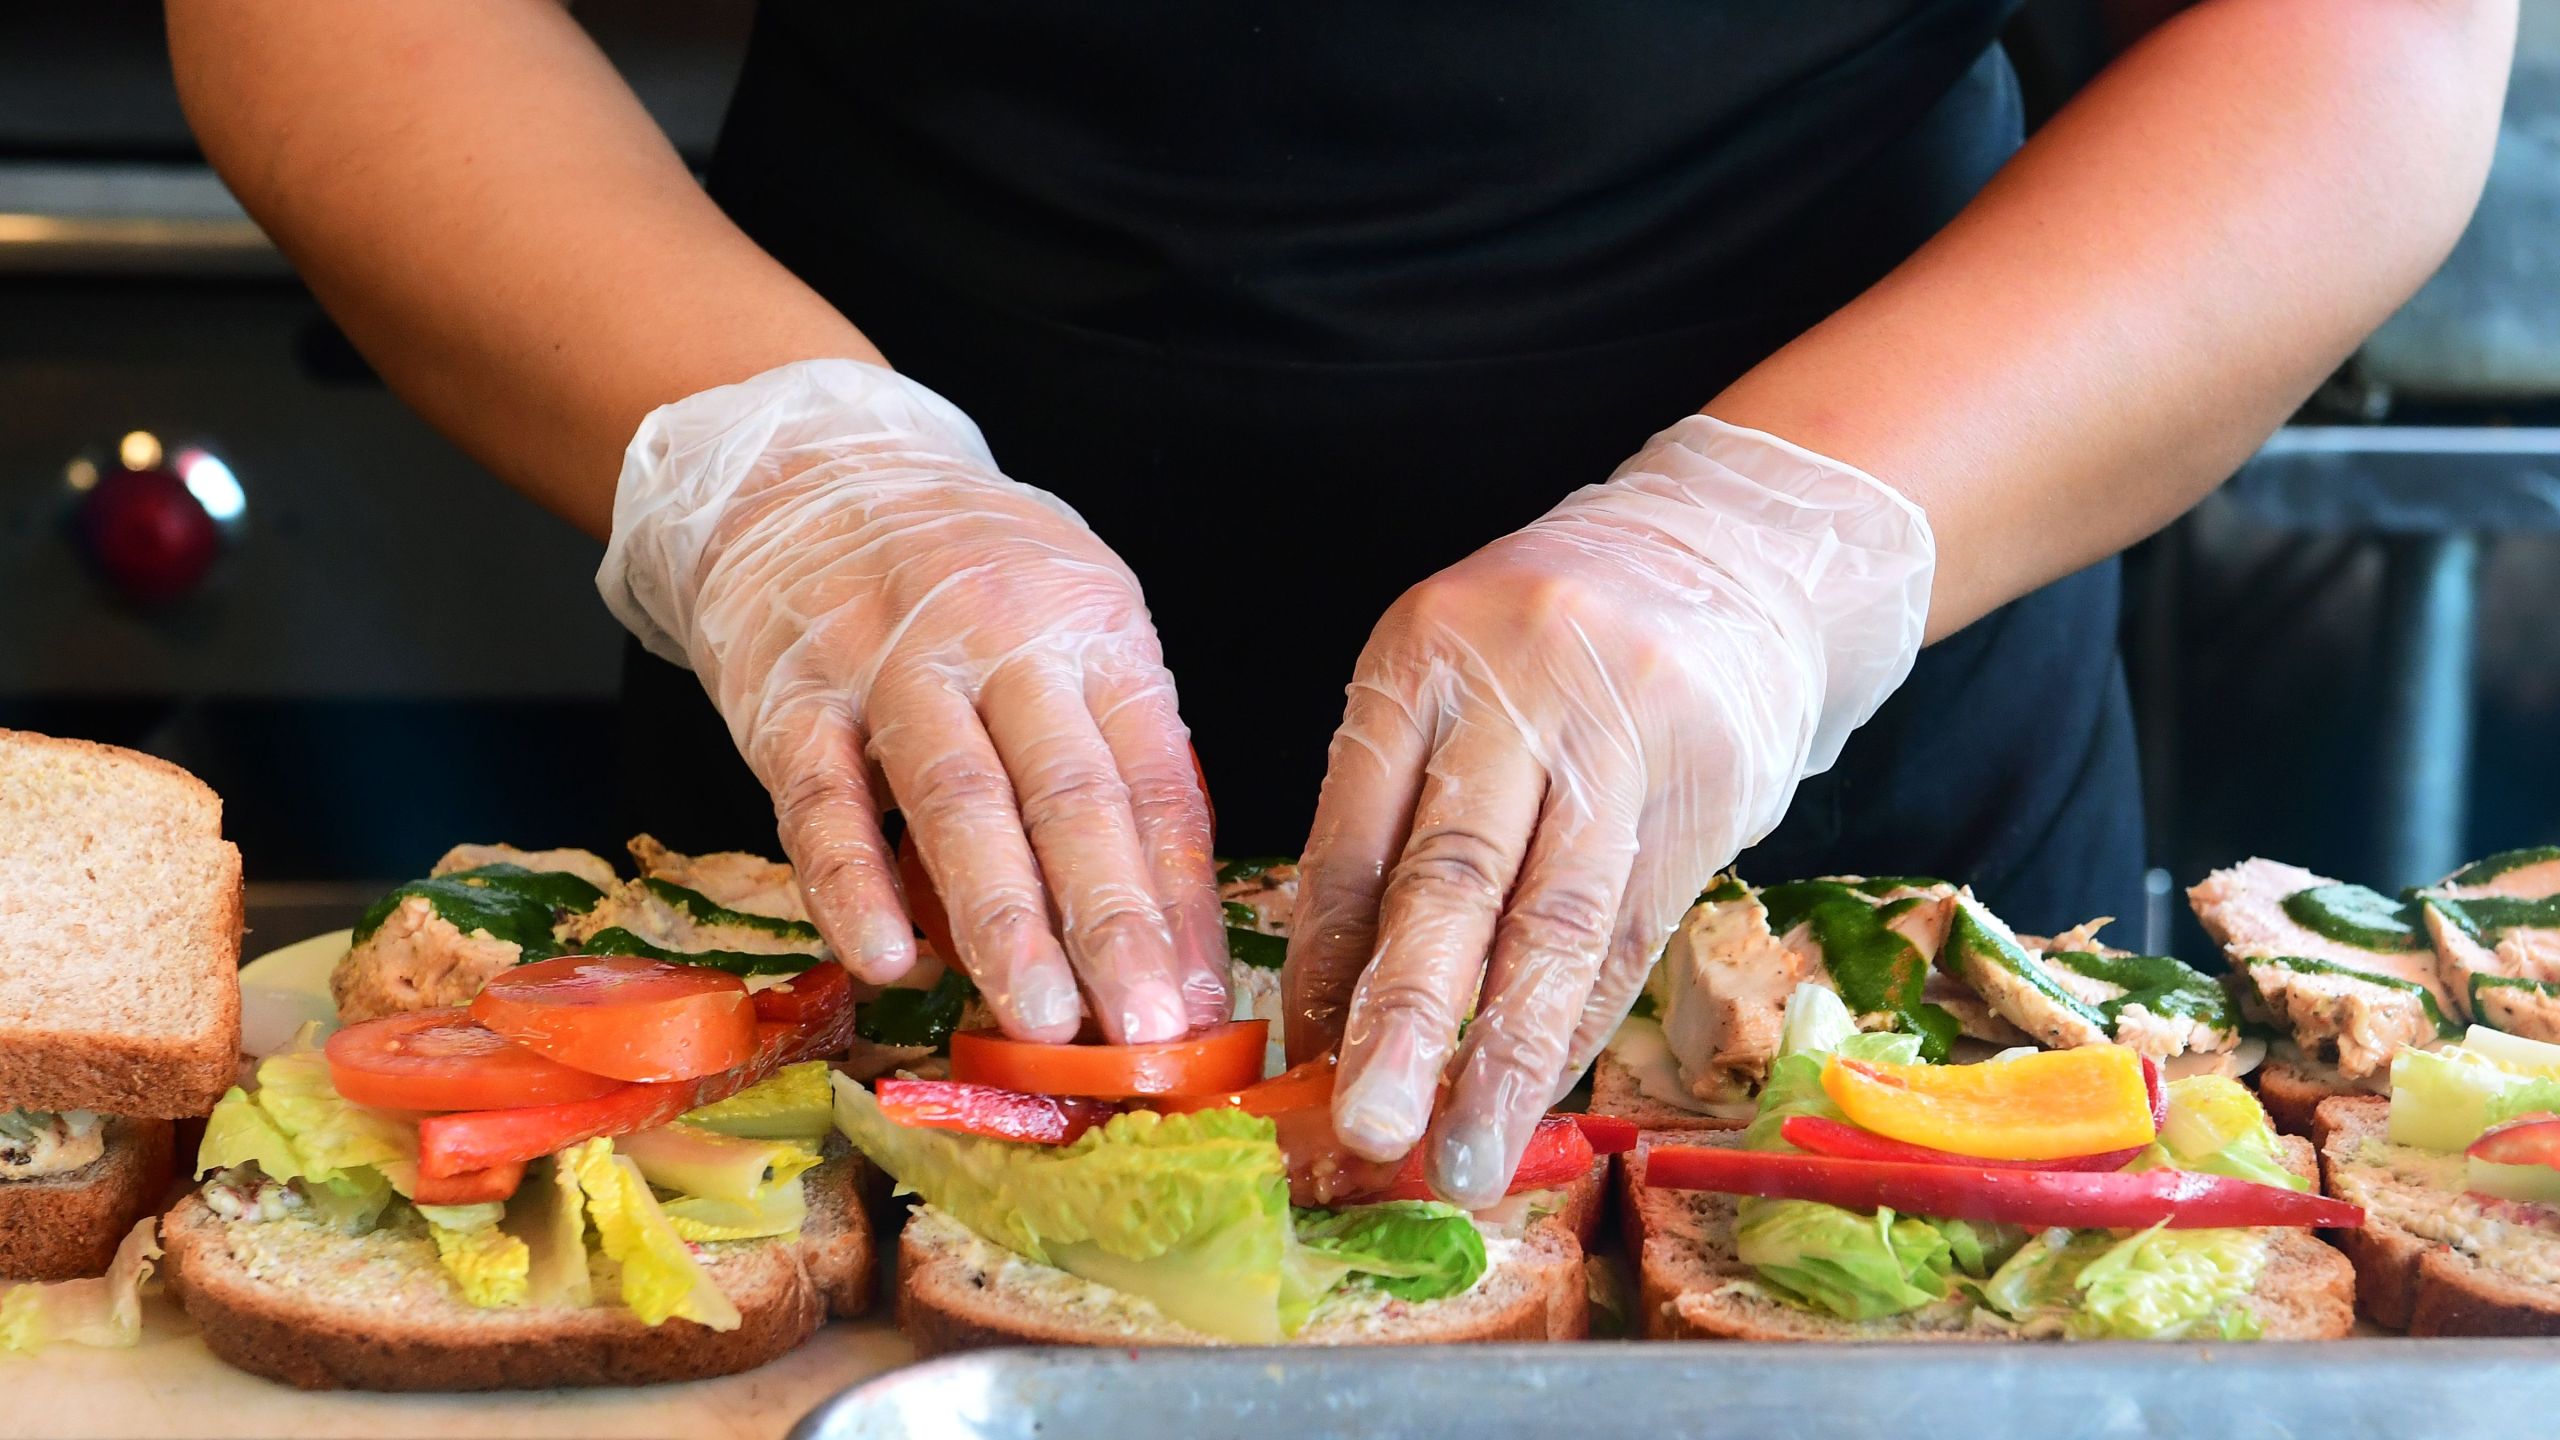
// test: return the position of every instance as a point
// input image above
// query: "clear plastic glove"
(886, 622)
(1552, 746)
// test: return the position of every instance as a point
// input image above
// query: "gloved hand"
(1552, 746)
(886, 622)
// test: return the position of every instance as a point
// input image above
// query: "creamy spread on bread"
(2424, 1192)
(35, 1144)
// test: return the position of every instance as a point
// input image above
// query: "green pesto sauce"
(1887, 884)
(1727, 889)
(618, 941)
(1973, 940)
(1876, 971)
(1248, 946)
(916, 1017)
(2161, 984)
(508, 902)
(2480, 872)
(1236, 872)
(707, 911)
(2303, 964)
(1645, 1007)
(2488, 918)
(2354, 915)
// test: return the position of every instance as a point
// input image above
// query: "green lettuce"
(295, 1127)
(1190, 1212)
(549, 1217)
(2154, 1284)
(489, 1266)
(2442, 1099)
(104, 1311)
(1411, 1249)
(2217, 1127)
(661, 1280)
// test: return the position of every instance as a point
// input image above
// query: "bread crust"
(943, 1305)
(2292, 1097)
(783, 1290)
(65, 1226)
(2405, 1281)
(170, 1078)
(1614, 1092)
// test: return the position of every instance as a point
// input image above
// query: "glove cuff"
(1809, 535)
(689, 460)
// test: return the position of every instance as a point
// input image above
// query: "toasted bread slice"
(120, 904)
(2292, 1089)
(1615, 1091)
(2501, 1282)
(958, 1292)
(60, 1227)
(1693, 1287)
(299, 1302)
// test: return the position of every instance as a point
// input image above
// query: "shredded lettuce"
(1190, 1212)
(2154, 1284)
(2443, 1099)
(661, 1280)
(103, 1311)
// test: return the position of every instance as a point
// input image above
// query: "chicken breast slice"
(416, 960)
(1724, 981)
(2472, 950)
(2333, 1014)
(585, 864)
(732, 879)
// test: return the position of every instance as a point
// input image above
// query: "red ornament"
(148, 535)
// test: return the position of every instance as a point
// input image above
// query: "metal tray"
(2389, 1389)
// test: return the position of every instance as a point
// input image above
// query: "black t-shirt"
(1298, 303)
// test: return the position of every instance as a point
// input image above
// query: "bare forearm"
(2154, 283)
(494, 220)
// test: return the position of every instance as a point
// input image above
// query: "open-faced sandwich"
(2068, 1194)
(1911, 956)
(2458, 1172)
(578, 1132)
(2349, 976)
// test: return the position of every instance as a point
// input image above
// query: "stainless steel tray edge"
(2401, 1389)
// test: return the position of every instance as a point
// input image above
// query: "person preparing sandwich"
(1309, 315)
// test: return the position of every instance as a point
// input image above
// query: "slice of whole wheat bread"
(60, 1227)
(949, 1299)
(1692, 1286)
(1614, 1091)
(2292, 1090)
(2405, 1280)
(119, 933)
(329, 1311)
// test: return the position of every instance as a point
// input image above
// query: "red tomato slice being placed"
(988, 1111)
(1300, 1087)
(1558, 1154)
(1219, 1059)
(623, 1016)
(924, 906)
(445, 1060)
(475, 1187)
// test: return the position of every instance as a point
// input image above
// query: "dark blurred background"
(2350, 658)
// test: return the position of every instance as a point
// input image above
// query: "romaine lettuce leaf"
(780, 1208)
(2155, 1284)
(2442, 1099)
(104, 1311)
(2217, 1127)
(661, 1280)
(489, 1266)
(549, 1216)
(1858, 1267)
(1411, 1249)
(1190, 1211)
(294, 1127)
(795, 1104)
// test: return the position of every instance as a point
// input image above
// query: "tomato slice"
(813, 994)
(445, 1060)
(2526, 1140)
(986, 1110)
(477, 1140)
(1558, 1155)
(474, 1187)
(1213, 1061)
(923, 905)
(1300, 1087)
(624, 1016)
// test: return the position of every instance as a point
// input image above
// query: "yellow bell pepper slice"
(2050, 1105)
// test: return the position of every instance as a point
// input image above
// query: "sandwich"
(2044, 1195)
(1191, 1193)
(1912, 956)
(582, 1134)
(2347, 976)
(2458, 1172)
(119, 1013)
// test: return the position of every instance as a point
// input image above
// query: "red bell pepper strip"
(2080, 1200)
(478, 1187)
(2528, 1140)
(2155, 1083)
(450, 1145)
(987, 1110)
(1608, 1134)
(1844, 1141)
(1558, 1155)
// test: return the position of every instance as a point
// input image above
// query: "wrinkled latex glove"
(886, 622)
(1551, 748)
